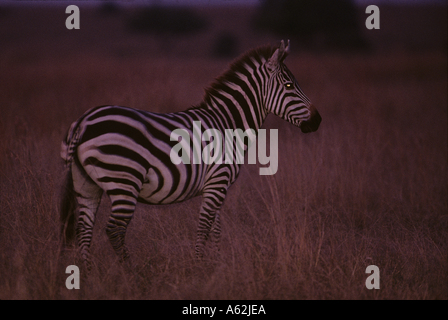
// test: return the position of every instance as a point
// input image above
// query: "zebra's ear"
(278, 56)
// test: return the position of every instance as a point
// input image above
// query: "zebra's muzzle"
(312, 124)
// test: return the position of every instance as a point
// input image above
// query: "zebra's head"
(283, 96)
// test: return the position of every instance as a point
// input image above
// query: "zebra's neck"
(236, 97)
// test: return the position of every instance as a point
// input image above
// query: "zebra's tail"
(67, 210)
(68, 204)
(70, 143)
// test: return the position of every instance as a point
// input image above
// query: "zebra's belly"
(159, 189)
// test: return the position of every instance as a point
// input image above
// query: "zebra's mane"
(238, 65)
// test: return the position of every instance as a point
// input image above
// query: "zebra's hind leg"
(122, 212)
(88, 197)
(209, 221)
(123, 207)
(116, 231)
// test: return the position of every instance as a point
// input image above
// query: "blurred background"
(220, 28)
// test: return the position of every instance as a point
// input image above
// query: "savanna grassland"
(368, 188)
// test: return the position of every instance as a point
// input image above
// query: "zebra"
(125, 152)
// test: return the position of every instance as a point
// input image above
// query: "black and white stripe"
(126, 152)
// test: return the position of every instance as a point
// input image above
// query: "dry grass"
(369, 187)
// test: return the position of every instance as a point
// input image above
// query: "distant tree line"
(324, 22)
(167, 20)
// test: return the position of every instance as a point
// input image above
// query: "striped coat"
(126, 153)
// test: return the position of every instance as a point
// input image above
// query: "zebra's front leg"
(216, 232)
(208, 217)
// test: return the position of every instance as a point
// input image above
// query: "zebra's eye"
(289, 85)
